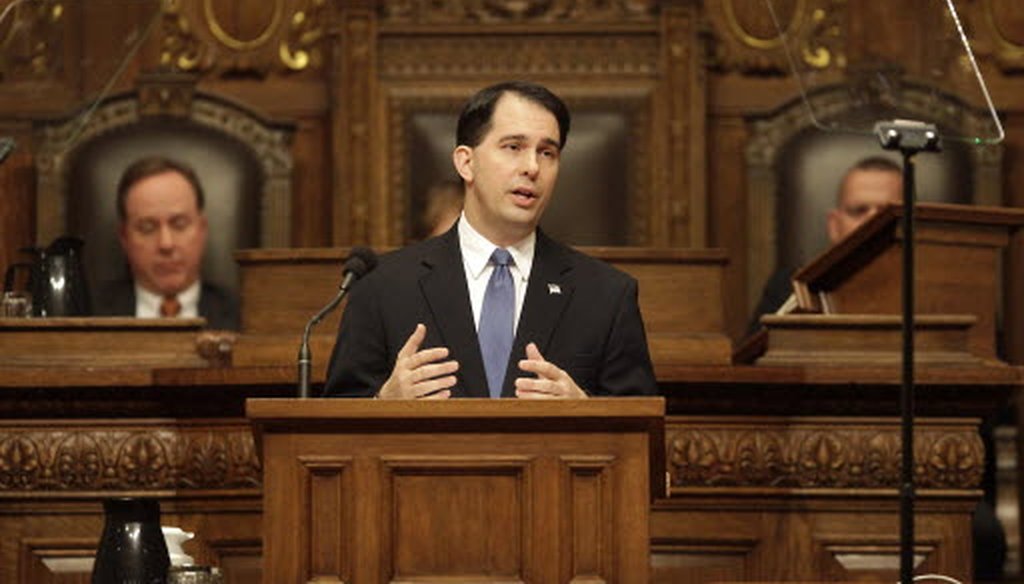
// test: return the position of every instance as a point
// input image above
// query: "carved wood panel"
(126, 457)
(328, 483)
(813, 454)
(479, 502)
(591, 496)
(804, 537)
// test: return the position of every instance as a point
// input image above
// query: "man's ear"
(462, 158)
(833, 225)
(122, 234)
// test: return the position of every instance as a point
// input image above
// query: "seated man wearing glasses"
(866, 187)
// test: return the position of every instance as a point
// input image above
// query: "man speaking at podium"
(493, 307)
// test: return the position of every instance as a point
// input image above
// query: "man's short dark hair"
(869, 164)
(879, 163)
(475, 119)
(151, 166)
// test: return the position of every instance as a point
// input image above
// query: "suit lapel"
(447, 296)
(548, 292)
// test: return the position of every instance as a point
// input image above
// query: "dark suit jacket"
(216, 305)
(776, 291)
(581, 312)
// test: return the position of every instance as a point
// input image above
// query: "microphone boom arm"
(361, 261)
(305, 355)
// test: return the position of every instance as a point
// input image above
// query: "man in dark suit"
(493, 307)
(867, 187)
(162, 230)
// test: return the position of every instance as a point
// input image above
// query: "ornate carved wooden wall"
(693, 78)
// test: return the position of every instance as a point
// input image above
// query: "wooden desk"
(776, 472)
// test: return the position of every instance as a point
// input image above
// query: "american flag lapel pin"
(554, 289)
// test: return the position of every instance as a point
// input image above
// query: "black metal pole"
(909, 137)
(907, 385)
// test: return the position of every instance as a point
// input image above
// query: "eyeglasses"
(862, 210)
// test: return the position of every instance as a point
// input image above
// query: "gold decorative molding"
(517, 11)
(300, 49)
(123, 457)
(811, 454)
(237, 44)
(1008, 46)
(747, 40)
(31, 40)
(194, 40)
(518, 56)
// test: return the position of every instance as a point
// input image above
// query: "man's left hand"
(550, 383)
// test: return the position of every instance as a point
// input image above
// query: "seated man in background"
(866, 187)
(162, 230)
(443, 206)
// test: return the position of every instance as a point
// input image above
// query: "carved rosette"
(747, 39)
(289, 37)
(30, 40)
(139, 458)
(820, 456)
(514, 11)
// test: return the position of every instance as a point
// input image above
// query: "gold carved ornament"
(813, 33)
(30, 41)
(290, 37)
(1009, 54)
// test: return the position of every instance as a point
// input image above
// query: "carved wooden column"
(684, 207)
(352, 126)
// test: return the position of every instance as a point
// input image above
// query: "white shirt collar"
(147, 304)
(477, 250)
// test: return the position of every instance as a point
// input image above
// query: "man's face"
(163, 233)
(864, 193)
(511, 173)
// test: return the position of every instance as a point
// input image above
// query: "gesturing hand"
(550, 383)
(419, 374)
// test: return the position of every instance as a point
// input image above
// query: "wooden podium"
(959, 251)
(458, 491)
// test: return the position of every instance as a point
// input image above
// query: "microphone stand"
(305, 356)
(909, 137)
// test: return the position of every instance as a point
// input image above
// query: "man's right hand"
(420, 374)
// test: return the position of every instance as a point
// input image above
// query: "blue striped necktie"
(497, 321)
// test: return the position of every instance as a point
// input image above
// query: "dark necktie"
(496, 321)
(170, 306)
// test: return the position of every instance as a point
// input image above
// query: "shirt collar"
(188, 297)
(477, 250)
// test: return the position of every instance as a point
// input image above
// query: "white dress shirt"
(476, 260)
(147, 304)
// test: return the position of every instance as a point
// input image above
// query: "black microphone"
(360, 261)
(6, 147)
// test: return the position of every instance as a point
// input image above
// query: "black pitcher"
(56, 278)
(132, 549)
